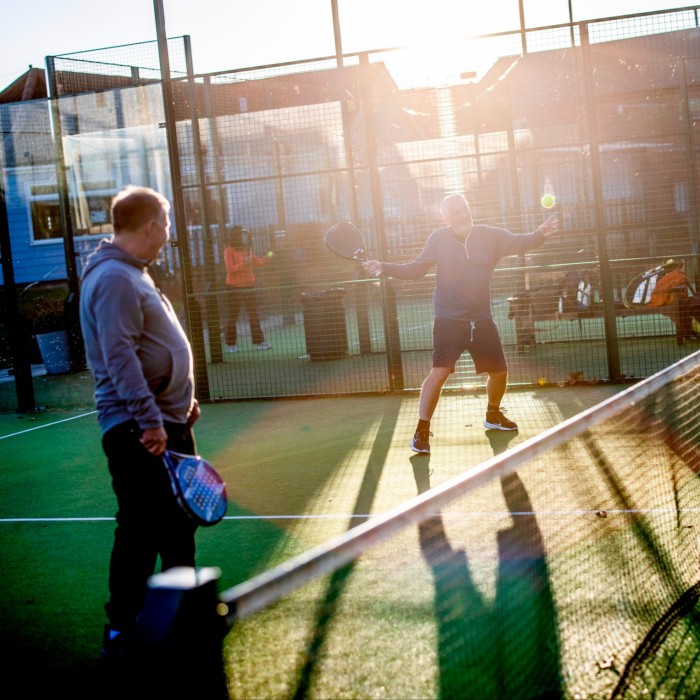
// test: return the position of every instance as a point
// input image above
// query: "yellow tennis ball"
(270, 254)
(548, 201)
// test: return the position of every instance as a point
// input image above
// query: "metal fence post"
(192, 310)
(612, 344)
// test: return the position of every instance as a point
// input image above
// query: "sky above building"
(226, 35)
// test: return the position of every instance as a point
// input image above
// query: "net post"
(180, 632)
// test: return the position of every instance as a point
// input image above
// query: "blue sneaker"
(421, 441)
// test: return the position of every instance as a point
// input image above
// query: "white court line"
(471, 514)
(346, 516)
(53, 520)
(47, 425)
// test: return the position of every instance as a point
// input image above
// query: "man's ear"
(150, 226)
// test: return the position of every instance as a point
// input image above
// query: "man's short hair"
(449, 197)
(134, 206)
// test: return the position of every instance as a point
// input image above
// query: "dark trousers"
(690, 311)
(243, 297)
(149, 521)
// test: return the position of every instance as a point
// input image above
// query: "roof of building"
(29, 86)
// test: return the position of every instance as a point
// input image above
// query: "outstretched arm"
(374, 267)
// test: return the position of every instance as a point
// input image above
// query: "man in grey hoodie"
(465, 256)
(141, 362)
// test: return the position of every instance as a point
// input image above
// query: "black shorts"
(480, 338)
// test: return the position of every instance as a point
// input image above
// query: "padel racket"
(198, 487)
(347, 241)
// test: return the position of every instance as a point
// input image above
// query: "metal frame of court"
(602, 113)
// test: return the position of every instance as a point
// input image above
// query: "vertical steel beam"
(612, 344)
(192, 311)
(20, 357)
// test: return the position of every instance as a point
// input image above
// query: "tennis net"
(564, 567)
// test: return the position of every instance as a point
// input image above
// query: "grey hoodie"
(136, 348)
(464, 267)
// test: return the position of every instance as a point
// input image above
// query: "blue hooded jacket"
(135, 346)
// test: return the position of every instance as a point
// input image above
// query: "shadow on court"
(494, 649)
(338, 580)
(282, 460)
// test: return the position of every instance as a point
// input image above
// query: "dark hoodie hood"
(106, 250)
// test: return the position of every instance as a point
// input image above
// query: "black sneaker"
(115, 644)
(421, 441)
(495, 420)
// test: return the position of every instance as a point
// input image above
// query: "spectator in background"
(240, 278)
(673, 287)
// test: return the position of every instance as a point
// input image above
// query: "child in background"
(240, 262)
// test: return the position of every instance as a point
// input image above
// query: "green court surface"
(299, 472)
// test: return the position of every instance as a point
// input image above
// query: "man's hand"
(374, 267)
(549, 227)
(194, 414)
(155, 440)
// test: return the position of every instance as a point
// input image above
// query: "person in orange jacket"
(674, 287)
(240, 278)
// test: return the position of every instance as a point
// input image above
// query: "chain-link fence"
(602, 115)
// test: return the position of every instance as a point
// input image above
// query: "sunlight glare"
(438, 64)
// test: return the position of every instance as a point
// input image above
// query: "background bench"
(529, 308)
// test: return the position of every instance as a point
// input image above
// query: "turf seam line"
(47, 425)
(364, 516)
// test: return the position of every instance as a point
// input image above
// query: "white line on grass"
(53, 520)
(365, 516)
(47, 425)
(473, 514)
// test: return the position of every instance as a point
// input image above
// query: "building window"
(89, 211)
(694, 107)
(680, 197)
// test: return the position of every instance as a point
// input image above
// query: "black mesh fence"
(601, 115)
(563, 567)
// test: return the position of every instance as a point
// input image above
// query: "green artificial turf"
(428, 613)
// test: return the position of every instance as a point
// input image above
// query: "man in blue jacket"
(465, 255)
(141, 362)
